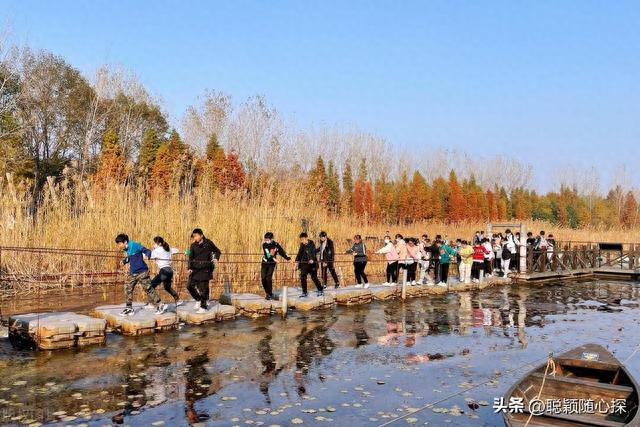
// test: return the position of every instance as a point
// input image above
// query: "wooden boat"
(588, 373)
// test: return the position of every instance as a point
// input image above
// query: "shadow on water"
(361, 365)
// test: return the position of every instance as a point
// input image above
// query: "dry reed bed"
(75, 216)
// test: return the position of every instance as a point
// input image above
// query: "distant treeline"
(108, 129)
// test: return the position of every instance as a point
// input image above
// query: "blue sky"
(553, 83)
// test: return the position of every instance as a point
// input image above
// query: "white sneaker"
(385, 284)
(161, 309)
(179, 303)
(196, 306)
(442, 284)
(357, 286)
(366, 286)
(202, 310)
(148, 306)
(413, 283)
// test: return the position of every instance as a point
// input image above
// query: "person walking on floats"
(446, 252)
(327, 257)
(270, 251)
(203, 256)
(308, 264)
(359, 251)
(466, 262)
(138, 273)
(391, 255)
(162, 254)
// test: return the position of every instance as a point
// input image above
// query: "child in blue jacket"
(138, 274)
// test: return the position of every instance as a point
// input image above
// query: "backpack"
(506, 253)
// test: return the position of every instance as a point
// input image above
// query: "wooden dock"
(576, 274)
(53, 331)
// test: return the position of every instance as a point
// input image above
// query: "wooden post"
(523, 249)
(285, 306)
(404, 284)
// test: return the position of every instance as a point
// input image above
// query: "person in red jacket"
(479, 252)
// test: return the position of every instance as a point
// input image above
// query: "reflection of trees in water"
(522, 315)
(313, 345)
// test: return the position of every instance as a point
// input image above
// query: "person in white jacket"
(162, 254)
(425, 254)
(508, 252)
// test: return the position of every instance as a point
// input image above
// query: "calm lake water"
(352, 366)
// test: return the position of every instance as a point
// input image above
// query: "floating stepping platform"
(350, 295)
(418, 291)
(310, 302)
(385, 293)
(251, 305)
(215, 313)
(494, 281)
(142, 321)
(53, 331)
(461, 287)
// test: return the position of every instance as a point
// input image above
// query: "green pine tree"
(347, 188)
(148, 150)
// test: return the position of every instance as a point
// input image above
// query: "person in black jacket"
(270, 251)
(308, 264)
(203, 256)
(327, 257)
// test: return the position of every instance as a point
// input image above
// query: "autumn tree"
(456, 206)
(363, 200)
(318, 182)
(112, 164)
(235, 176)
(439, 197)
(629, 211)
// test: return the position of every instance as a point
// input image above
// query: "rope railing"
(56, 273)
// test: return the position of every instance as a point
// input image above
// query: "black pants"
(329, 267)
(311, 270)
(476, 268)
(165, 276)
(392, 272)
(266, 275)
(444, 272)
(199, 290)
(411, 271)
(435, 265)
(358, 270)
(487, 266)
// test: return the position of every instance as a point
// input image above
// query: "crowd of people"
(425, 261)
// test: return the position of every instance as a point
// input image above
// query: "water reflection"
(205, 367)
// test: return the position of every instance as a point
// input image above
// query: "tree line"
(108, 129)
